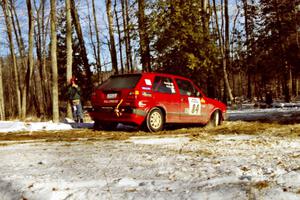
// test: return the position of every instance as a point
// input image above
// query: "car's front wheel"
(155, 120)
(215, 119)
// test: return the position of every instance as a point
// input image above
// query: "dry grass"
(197, 133)
(255, 128)
(261, 185)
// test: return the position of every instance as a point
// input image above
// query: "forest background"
(235, 50)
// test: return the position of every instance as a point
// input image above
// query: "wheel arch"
(162, 108)
(220, 114)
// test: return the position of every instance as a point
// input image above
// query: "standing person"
(73, 95)
(269, 99)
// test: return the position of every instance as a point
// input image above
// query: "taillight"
(133, 94)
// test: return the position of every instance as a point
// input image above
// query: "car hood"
(216, 103)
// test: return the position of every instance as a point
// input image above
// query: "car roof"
(153, 74)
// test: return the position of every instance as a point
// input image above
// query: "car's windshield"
(121, 82)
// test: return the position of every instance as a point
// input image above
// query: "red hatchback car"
(152, 100)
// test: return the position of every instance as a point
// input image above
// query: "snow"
(282, 115)
(14, 126)
(222, 167)
(175, 167)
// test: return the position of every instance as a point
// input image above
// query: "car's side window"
(187, 88)
(163, 85)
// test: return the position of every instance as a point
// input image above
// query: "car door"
(166, 96)
(191, 108)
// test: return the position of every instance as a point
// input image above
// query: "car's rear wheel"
(215, 119)
(108, 126)
(155, 120)
(96, 125)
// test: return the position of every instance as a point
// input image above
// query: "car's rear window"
(121, 82)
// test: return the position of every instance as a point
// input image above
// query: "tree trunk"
(119, 36)
(98, 58)
(25, 90)
(40, 90)
(245, 6)
(13, 56)
(55, 107)
(126, 37)
(87, 86)
(69, 51)
(222, 51)
(2, 108)
(144, 40)
(297, 87)
(45, 71)
(205, 6)
(19, 37)
(226, 61)
(113, 51)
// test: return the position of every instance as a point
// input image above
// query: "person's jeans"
(77, 112)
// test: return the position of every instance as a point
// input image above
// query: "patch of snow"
(14, 126)
(234, 137)
(127, 182)
(10, 126)
(279, 194)
(47, 126)
(291, 179)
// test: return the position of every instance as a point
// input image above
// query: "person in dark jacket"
(73, 95)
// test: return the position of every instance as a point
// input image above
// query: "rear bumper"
(126, 115)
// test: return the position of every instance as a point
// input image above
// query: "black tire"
(96, 125)
(107, 126)
(215, 119)
(155, 120)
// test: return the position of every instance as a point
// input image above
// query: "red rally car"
(152, 100)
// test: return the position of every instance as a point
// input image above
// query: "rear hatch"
(115, 89)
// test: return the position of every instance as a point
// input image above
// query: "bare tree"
(98, 59)
(2, 108)
(113, 51)
(55, 108)
(18, 35)
(30, 60)
(224, 48)
(144, 39)
(119, 36)
(45, 71)
(13, 56)
(226, 62)
(83, 52)
(40, 78)
(69, 50)
(125, 15)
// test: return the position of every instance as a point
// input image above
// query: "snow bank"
(11, 126)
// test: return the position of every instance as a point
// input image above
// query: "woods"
(235, 50)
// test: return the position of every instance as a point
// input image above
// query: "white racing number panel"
(194, 106)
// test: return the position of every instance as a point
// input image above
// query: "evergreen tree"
(182, 42)
(277, 49)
